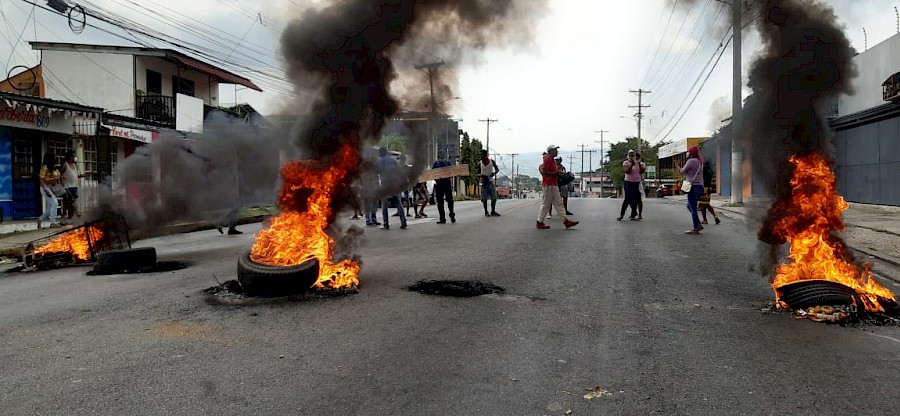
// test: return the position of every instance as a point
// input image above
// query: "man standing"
(388, 168)
(550, 189)
(487, 171)
(443, 190)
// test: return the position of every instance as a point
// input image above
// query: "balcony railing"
(158, 108)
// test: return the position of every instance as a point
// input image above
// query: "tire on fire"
(804, 294)
(272, 281)
(126, 260)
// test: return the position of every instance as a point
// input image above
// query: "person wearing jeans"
(633, 168)
(49, 176)
(692, 172)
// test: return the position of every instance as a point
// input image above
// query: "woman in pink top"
(633, 169)
(692, 171)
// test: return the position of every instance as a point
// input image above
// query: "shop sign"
(142, 136)
(33, 117)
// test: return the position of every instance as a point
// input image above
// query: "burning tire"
(124, 261)
(271, 281)
(806, 293)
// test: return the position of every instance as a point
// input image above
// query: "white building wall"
(874, 67)
(104, 80)
(204, 89)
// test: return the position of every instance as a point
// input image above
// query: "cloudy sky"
(571, 81)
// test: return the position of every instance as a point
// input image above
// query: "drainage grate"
(456, 288)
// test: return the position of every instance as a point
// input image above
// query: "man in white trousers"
(550, 188)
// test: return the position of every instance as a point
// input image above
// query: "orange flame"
(75, 242)
(298, 233)
(808, 217)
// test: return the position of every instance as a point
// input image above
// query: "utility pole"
(737, 157)
(514, 180)
(487, 144)
(582, 146)
(431, 69)
(571, 157)
(601, 158)
(640, 112)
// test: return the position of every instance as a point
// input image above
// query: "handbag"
(687, 184)
(565, 178)
(58, 190)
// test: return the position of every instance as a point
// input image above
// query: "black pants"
(442, 193)
(632, 195)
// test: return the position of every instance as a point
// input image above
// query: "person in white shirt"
(69, 173)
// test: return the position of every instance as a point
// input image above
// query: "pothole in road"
(455, 288)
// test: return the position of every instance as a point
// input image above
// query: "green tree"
(469, 154)
(394, 142)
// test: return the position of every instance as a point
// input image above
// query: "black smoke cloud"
(344, 58)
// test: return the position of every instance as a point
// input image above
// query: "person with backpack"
(443, 190)
(487, 171)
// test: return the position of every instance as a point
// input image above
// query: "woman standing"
(49, 176)
(633, 169)
(692, 172)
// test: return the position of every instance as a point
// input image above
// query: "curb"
(19, 251)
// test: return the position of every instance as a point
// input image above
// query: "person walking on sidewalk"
(487, 171)
(443, 190)
(706, 198)
(49, 177)
(633, 168)
(550, 190)
(70, 176)
(692, 172)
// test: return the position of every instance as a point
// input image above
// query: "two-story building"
(127, 94)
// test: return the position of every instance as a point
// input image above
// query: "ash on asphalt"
(230, 293)
(159, 267)
(455, 288)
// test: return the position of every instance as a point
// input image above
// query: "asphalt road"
(663, 322)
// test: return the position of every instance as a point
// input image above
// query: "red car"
(664, 190)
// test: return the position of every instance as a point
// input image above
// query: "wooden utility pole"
(487, 143)
(640, 112)
(601, 158)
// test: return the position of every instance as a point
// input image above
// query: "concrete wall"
(104, 80)
(868, 163)
(874, 66)
(204, 89)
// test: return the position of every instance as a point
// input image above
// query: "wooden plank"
(444, 172)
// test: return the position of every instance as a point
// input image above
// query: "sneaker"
(570, 224)
(355, 217)
(402, 226)
(619, 218)
(486, 214)
(703, 222)
(542, 226)
(219, 229)
(418, 216)
(387, 227)
(234, 231)
(495, 214)
(55, 225)
(453, 218)
(569, 213)
(441, 222)
(693, 232)
(718, 220)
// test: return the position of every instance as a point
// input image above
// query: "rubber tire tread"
(817, 294)
(272, 281)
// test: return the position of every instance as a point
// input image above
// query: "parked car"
(664, 190)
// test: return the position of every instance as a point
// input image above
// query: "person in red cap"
(693, 173)
(550, 190)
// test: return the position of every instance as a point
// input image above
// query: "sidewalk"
(15, 235)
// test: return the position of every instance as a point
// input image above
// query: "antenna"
(865, 40)
(896, 12)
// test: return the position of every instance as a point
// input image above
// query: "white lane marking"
(884, 336)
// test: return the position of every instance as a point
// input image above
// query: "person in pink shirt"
(633, 168)
(550, 189)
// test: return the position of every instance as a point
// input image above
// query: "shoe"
(542, 226)
(376, 223)
(355, 217)
(441, 222)
(495, 214)
(693, 232)
(619, 218)
(386, 227)
(570, 224)
(402, 226)
(486, 214)
(703, 222)
(634, 219)
(396, 214)
(640, 217)
(569, 213)
(234, 231)
(55, 225)
(418, 216)
(219, 229)
(718, 220)
(423, 215)
(453, 218)
(701, 227)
